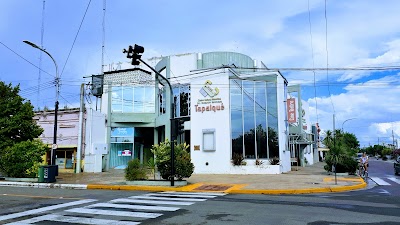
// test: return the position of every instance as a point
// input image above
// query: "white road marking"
(44, 209)
(152, 202)
(394, 179)
(124, 206)
(379, 181)
(194, 193)
(72, 219)
(174, 199)
(383, 191)
(180, 195)
(114, 213)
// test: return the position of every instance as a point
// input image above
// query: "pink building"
(67, 136)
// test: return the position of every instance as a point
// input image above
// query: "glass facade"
(133, 99)
(254, 120)
(122, 141)
(182, 100)
(162, 101)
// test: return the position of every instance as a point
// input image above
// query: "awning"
(323, 149)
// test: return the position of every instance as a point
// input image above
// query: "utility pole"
(80, 133)
(334, 145)
(393, 139)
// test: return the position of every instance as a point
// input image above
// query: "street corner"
(345, 183)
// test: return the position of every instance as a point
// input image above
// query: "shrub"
(344, 164)
(274, 161)
(237, 159)
(135, 171)
(22, 159)
(151, 164)
(384, 158)
(183, 165)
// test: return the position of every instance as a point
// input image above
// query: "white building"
(230, 105)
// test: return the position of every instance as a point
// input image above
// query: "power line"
(24, 58)
(76, 36)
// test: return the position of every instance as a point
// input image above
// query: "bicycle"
(363, 173)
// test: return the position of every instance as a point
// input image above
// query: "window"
(182, 100)
(136, 99)
(162, 100)
(209, 140)
(236, 117)
(254, 118)
(121, 139)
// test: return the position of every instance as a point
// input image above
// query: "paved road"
(381, 173)
(57, 206)
(378, 204)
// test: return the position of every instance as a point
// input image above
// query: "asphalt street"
(377, 204)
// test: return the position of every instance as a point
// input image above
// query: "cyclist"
(364, 161)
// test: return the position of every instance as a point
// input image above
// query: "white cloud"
(373, 104)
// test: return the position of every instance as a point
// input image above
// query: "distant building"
(302, 134)
(67, 136)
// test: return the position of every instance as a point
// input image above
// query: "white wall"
(95, 133)
(306, 116)
(181, 65)
(308, 151)
(309, 154)
(284, 152)
(218, 160)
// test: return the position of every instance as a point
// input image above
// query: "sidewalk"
(310, 179)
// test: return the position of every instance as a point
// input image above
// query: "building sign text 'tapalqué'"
(210, 102)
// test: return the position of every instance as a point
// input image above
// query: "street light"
(57, 83)
(346, 121)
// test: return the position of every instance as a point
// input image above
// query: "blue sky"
(360, 33)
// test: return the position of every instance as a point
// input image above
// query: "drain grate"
(213, 187)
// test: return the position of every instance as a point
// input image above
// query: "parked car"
(397, 166)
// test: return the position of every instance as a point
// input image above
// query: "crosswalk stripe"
(44, 209)
(72, 219)
(379, 181)
(124, 206)
(152, 202)
(194, 193)
(174, 199)
(114, 213)
(180, 195)
(394, 180)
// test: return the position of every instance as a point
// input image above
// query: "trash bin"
(41, 174)
(49, 173)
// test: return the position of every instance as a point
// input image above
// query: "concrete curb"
(361, 185)
(235, 189)
(43, 185)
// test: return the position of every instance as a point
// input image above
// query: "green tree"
(16, 122)
(22, 159)
(342, 149)
(16, 115)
